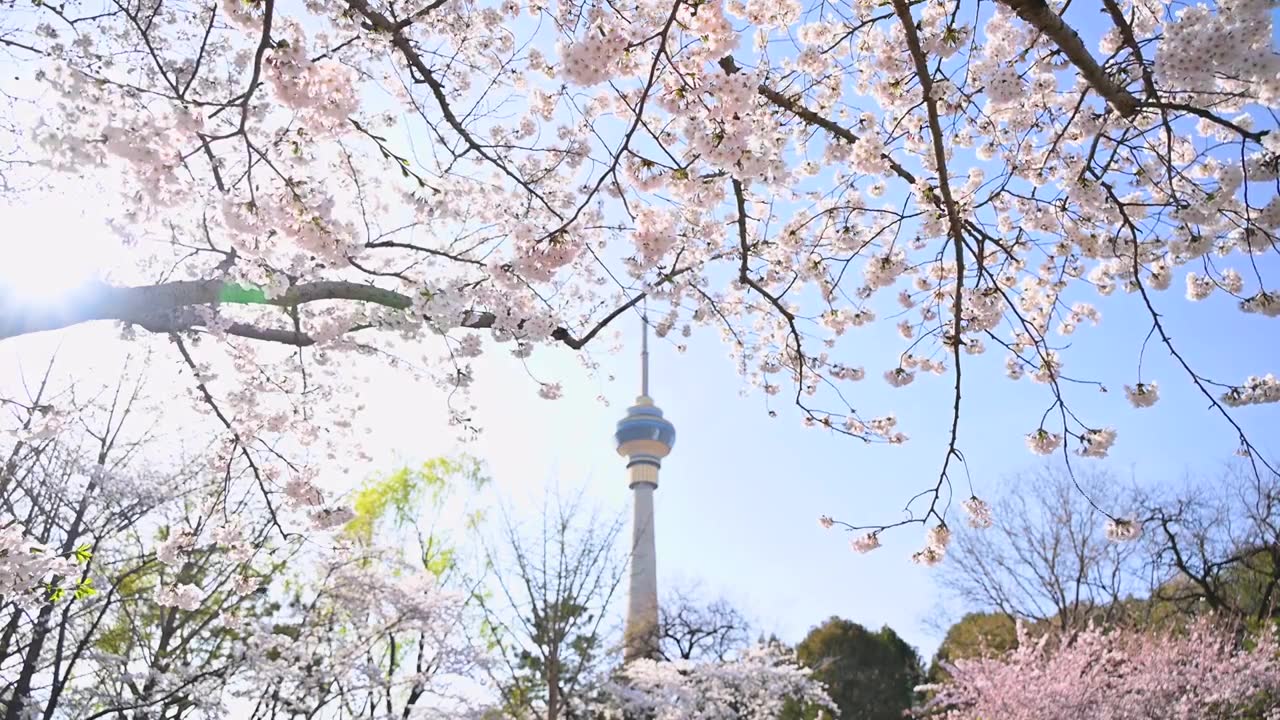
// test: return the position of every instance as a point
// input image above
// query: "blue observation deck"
(644, 422)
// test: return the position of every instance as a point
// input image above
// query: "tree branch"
(1039, 15)
(167, 308)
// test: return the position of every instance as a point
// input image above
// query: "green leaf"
(83, 554)
(232, 293)
(85, 589)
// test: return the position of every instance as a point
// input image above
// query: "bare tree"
(1217, 545)
(690, 628)
(555, 587)
(1047, 557)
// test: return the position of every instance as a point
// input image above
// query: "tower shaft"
(642, 604)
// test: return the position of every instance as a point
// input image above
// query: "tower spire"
(644, 350)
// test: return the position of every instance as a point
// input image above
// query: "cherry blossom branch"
(166, 308)
(1132, 229)
(730, 66)
(380, 22)
(744, 276)
(208, 399)
(925, 77)
(1039, 15)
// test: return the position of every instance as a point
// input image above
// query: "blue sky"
(740, 495)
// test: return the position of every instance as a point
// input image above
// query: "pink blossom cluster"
(1203, 670)
(322, 91)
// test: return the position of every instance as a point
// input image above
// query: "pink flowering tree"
(303, 185)
(1202, 672)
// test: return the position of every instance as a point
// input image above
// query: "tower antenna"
(644, 348)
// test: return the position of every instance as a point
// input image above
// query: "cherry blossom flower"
(1043, 442)
(1254, 391)
(1096, 443)
(171, 551)
(978, 512)
(938, 538)
(329, 518)
(930, 556)
(183, 596)
(899, 377)
(1123, 529)
(1143, 394)
(26, 566)
(865, 543)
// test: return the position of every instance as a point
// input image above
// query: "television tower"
(644, 437)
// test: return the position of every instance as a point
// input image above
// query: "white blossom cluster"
(978, 512)
(935, 546)
(30, 570)
(1142, 395)
(1123, 529)
(756, 686)
(1254, 391)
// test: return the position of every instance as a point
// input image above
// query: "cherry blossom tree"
(1201, 672)
(146, 578)
(307, 183)
(364, 642)
(151, 557)
(758, 685)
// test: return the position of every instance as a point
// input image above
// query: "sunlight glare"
(49, 250)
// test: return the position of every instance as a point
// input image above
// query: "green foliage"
(439, 562)
(974, 635)
(869, 675)
(84, 589)
(396, 500)
(490, 634)
(117, 637)
(394, 503)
